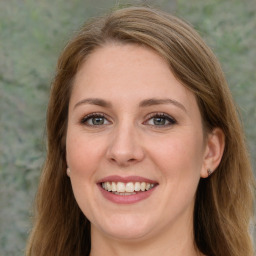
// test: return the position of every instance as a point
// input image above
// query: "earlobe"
(68, 172)
(209, 171)
(214, 149)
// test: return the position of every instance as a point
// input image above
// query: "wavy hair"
(224, 202)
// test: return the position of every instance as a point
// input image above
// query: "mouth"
(126, 190)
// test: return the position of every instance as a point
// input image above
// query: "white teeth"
(148, 185)
(142, 186)
(128, 188)
(120, 187)
(108, 186)
(113, 186)
(137, 186)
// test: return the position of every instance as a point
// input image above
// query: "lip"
(130, 199)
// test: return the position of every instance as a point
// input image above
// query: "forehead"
(128, 73)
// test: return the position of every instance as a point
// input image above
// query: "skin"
(130, 142)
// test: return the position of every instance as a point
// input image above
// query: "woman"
(146, 155)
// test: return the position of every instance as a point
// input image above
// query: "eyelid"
(94, 114)
(168, 117)
(171, 119)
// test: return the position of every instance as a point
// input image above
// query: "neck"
(179, 242)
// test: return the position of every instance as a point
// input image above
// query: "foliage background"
(32, 34)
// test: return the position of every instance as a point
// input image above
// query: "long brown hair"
(224, 202)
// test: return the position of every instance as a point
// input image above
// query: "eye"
(161, 120)
(95, 119)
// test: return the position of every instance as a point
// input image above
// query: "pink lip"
(130, 199)
(117, 178)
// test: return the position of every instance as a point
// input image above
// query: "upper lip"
(116, 178)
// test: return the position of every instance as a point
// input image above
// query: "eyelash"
(164, 116)
(93, 115)
(170, 119)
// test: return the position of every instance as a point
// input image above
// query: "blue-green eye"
(161, 120)
(95, 120)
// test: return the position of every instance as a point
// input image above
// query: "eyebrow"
(144, 103)
(154, 101)
(94, 101)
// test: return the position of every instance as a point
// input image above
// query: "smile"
(126, 190)
(129, 188)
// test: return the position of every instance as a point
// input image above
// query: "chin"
(127, 234)
(127, 228)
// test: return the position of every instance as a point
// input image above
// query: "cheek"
(83, 153)
(180, 162)
(179, 158)
(83, 157)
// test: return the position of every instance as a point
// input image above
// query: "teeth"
(128, 188)
(137, 186)
(113, 186)
(108, 186)
(142, 186)
(124, 194)
(148, 185)
(120, 187)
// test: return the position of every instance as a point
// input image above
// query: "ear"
(68, 171)
(215, 144)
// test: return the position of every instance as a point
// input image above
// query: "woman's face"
(135, 129)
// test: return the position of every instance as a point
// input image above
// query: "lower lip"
(130, 199)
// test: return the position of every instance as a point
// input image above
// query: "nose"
(125, 147)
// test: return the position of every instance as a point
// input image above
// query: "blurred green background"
(32, 34)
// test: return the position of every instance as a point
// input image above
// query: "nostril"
(132, 160)
(123, 162)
